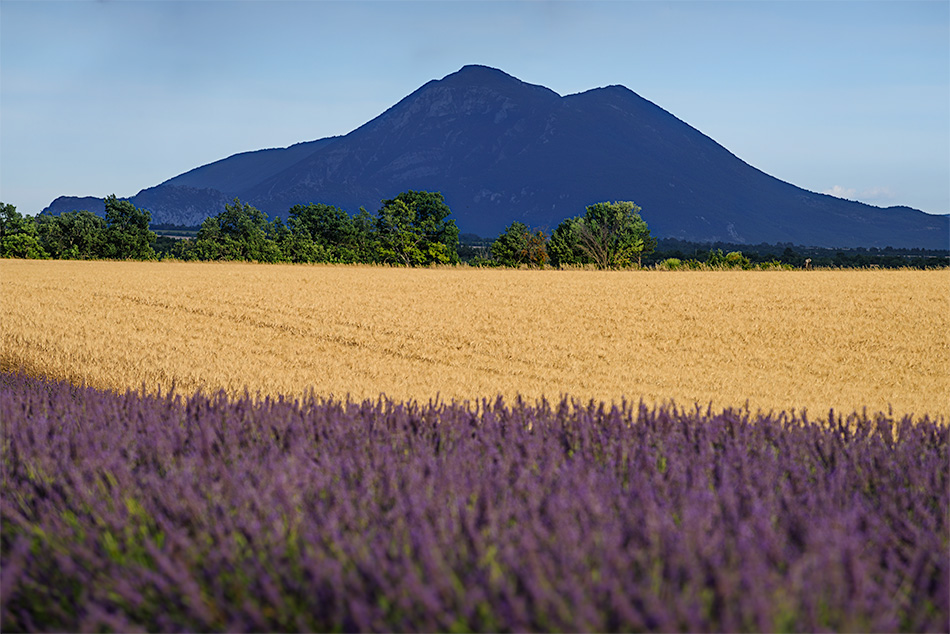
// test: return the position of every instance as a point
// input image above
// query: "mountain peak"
(500, 149)
(478, 72)
(481, 68)
(486, 76)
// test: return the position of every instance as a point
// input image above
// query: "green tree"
(186, 250)
(324, 232)
(240, 232)
(518, 245)
(300, 248)
(564, 246)
(296, 245)
(400, 241)
(365, 237)
(18, 235)
(736, 260)
(127, 236)
(614, 235)
(608, 235)
(74, 235)
(414, 229)
(11, 221)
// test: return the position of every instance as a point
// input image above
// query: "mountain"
(501, 150)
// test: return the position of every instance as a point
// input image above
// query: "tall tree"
(365, 238)
(127, 235)
(414, 228)
(18, 235)
(331, 230)
(614, 234)
(608, 235)
(240, 232)
(564, 246)
(518, 245)
(74, 235)
(399, 239)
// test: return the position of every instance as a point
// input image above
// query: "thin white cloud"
(878, 193)
(872, 195)
(841, 192)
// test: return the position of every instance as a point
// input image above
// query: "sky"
(850, 98)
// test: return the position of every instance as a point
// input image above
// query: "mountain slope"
(501, 150)
(231, 175)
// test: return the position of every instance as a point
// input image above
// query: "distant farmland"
(779, 340)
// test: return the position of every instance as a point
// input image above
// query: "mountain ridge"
(500, 150)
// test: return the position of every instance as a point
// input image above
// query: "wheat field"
(775, 340)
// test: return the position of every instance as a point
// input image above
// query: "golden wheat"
(777, 340)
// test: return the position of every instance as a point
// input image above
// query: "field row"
(779, 340)
(129, 513)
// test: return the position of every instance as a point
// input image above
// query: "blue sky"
(847, 97)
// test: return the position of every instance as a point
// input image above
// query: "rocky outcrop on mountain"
(180, 204)
(501, 150)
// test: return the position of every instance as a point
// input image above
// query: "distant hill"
(501, 150)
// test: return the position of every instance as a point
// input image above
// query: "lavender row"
(208, 513)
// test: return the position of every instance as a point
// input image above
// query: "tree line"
(412, 229)
(798, 256)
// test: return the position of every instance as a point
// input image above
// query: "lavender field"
(209, 513)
